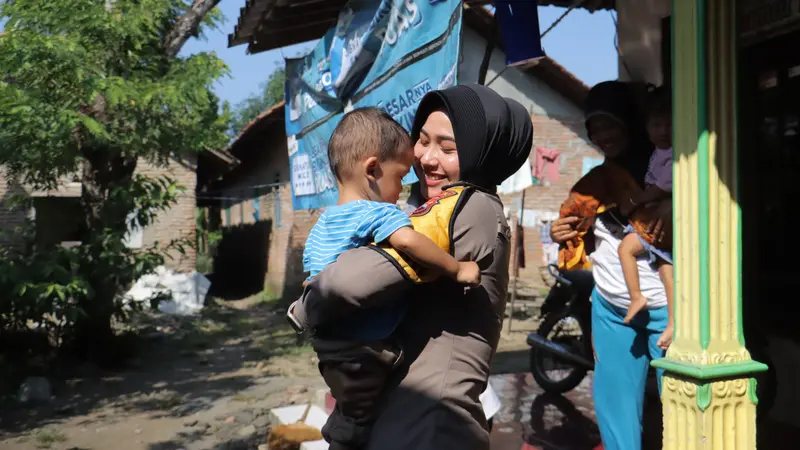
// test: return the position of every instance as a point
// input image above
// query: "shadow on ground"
(546, 421)
(182, 366)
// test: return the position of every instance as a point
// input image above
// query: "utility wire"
(574, 5)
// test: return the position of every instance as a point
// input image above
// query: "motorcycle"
(563, 342)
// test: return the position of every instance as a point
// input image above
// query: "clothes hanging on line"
(521, 180)
(546, 167)
(519, 27)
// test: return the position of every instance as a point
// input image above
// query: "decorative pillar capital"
(708, 394)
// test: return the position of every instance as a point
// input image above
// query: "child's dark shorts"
(356, 373)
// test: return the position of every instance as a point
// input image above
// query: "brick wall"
(284, 236)
(568, 135)
(285, 275)
(178, 222)
(264, 180)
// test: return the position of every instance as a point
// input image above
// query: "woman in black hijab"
(489, 136)
(623, 351)
(464, 135)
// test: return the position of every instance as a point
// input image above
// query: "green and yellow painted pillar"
(709, 399)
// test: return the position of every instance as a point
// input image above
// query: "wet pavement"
(531, 419)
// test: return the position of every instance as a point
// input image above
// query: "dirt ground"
(198, 383)
(203, 382)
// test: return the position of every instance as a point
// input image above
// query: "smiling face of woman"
(436, 157)
(609, 135)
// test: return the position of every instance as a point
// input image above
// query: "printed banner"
(384, 53)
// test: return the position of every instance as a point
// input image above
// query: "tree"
(93, 87)
(271, 93)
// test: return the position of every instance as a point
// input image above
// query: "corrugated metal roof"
(269, 24)
(591, 5)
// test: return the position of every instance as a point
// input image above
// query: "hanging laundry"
(534, 218)
(546, 167)
(544, 233)
(589, 164)
(518, 182)
(519, 28)
(256, 209)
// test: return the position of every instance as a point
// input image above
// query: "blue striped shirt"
(348, 226)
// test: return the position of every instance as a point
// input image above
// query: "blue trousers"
(623, 354)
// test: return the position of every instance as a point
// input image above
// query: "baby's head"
(370, 153)
(659, 117)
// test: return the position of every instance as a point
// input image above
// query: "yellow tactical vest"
(434, 219)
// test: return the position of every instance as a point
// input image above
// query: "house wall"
(534, 94)
(177, 223)
(557, 123)
(639, 38)
(279, 233)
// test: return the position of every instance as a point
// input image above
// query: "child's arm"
(426, 252)
(650, 194)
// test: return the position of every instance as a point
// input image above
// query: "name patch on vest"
(426, 207)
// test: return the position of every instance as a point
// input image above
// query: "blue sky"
(582, 42)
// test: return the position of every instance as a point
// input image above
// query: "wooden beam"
(290, 35)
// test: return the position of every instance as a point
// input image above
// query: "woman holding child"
(592, 227)
(469, 136)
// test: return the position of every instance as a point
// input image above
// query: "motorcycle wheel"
(580, 341)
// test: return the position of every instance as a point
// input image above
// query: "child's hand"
(665, 340)
(469, 273)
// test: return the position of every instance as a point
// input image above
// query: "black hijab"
(622, 102)
(494, 135)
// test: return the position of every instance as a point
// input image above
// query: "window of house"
(58, 220)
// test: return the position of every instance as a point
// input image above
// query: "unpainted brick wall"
(266, 181)
(287, 233)
(568, 135)
(177, 223)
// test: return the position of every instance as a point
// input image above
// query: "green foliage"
(50, 288)
(271, 93)
(59, 57)
(214, 237)
(39, 287)
(86, 88)
(205, 263)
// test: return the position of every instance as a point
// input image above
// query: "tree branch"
(187, 25)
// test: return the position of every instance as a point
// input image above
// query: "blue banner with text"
(384, 53)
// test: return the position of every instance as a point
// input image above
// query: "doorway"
(769, 162)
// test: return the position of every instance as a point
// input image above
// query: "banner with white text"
(384, 53)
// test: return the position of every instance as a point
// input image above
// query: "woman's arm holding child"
(424, 251)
